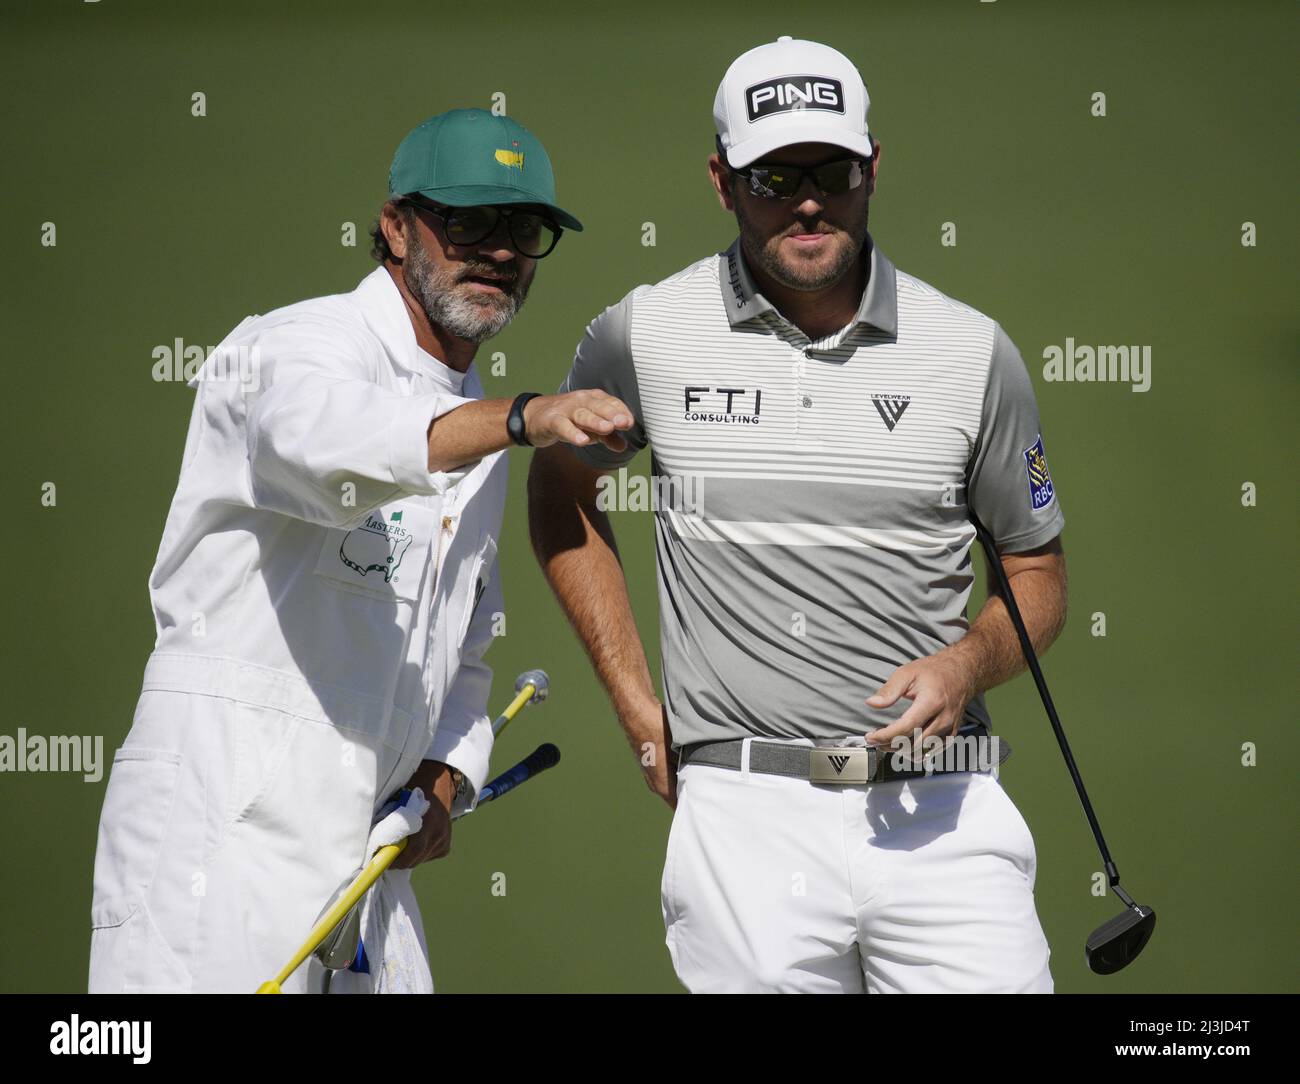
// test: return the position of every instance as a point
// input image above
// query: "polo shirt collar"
(878, 307)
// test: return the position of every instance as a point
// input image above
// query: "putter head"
(1115, 944)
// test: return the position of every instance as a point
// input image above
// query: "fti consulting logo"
(727, 405)
(376, 546)
(1040, 479)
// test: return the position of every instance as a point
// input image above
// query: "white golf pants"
(774, 884)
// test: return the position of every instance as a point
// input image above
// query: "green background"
(1122, 229)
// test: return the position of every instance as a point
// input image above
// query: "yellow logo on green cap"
(511, 158)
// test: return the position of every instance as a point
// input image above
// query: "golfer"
(327, 580)
(822, 425)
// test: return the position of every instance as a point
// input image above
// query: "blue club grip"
(541, 758)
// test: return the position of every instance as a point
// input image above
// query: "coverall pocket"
(483, 568)
(128, 952)
(385, 557)
(137, 812)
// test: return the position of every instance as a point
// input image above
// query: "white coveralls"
(322, 604)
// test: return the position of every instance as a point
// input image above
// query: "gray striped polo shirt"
(811, 522)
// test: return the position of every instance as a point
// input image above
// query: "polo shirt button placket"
(796, 387)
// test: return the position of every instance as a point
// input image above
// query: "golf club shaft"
(538, 761)
(385, 855)
(1027, 647)
(358, 888)
(503, 720)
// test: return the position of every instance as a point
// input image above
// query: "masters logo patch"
(514, 159)
(376, 546)
(1040, 479)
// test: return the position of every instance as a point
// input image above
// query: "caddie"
(328, 578)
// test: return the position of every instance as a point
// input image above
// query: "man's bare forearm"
(990, 650)
(467, 434)
(575, 546)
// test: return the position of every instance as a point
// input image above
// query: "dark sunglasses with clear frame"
(781, 182)
(533, 233)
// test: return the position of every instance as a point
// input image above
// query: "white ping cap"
(790, 91)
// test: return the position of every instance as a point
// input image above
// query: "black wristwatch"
(515, 419)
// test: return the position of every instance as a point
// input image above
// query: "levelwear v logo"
(891, 408)
(838, 762)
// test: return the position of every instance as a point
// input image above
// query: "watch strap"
(515, 419)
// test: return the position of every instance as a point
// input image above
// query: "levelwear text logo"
(77, 1036)
(791, 92)
(733, 277)
(890, 408)
(728, 405)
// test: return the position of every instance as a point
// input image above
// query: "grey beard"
(474, 321)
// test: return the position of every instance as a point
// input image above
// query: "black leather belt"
(847, 765)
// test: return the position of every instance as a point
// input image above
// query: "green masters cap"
(466, 157)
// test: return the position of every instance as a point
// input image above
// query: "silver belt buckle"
(842, 764)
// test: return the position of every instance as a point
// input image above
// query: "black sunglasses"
(781, 182)
(532, 233)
